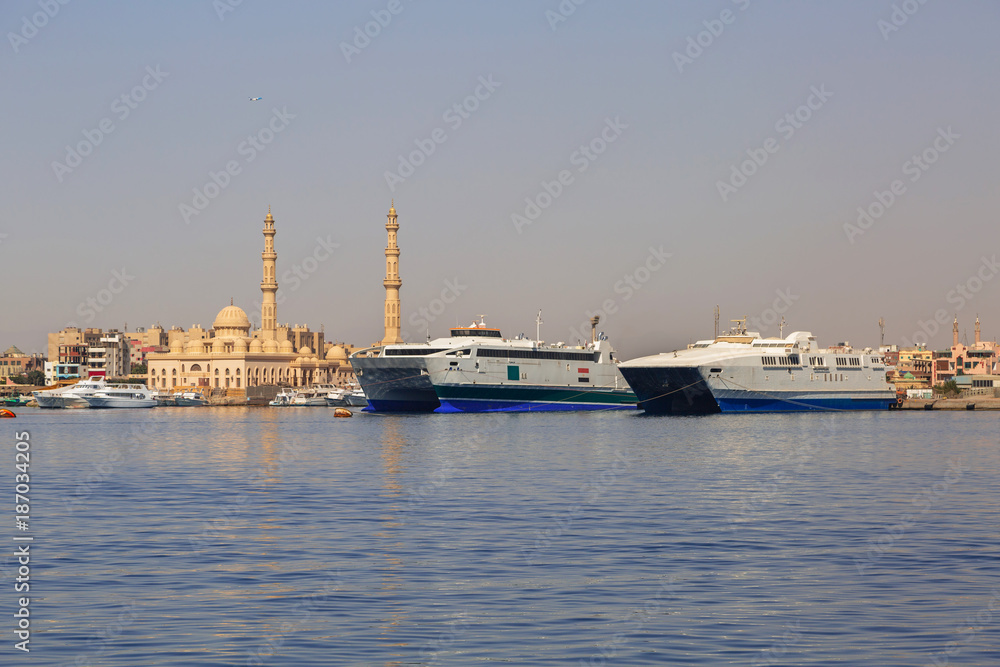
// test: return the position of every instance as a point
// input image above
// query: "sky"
(829, 163)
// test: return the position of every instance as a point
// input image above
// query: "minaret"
(954, 332)
(977, 328)
(269, 286)
(392, 282)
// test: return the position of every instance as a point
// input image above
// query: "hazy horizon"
(648, 161)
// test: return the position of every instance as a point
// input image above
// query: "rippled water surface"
(219, 536)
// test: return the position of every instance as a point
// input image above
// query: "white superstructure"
(71, 396)
(742, 372)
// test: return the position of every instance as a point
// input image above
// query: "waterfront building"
(110, 357)
(231, 357)
(980, 358)
(14, 362)
(70, 345)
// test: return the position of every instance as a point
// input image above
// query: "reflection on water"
(261, 536)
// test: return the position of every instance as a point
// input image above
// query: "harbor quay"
(232, 362)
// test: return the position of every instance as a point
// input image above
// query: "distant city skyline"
(831, 164)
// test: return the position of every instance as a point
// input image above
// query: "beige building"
(229, 356)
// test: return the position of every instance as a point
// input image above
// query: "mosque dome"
(195, 346)
(305, 351)
(218, 345)
(240, 345)
(270, 346)
(231, 318)
(286, 347)
(336, 353)
(256, 346)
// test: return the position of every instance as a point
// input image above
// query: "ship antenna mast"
(538, 325)
(881, 326)
(781, 327)
(716, 321)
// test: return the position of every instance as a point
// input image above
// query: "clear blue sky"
(673, 130)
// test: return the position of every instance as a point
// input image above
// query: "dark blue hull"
(670, 391)
(522, 406)
(750, 404)
(395, 384)
(683, 391)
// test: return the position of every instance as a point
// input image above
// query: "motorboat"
(122, 396)
(69, 396)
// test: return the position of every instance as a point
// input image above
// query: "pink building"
(978, 359)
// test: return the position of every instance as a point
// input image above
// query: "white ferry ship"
(524, 375)
(742, 372)
(394, 377)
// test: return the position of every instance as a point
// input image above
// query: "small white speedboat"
(337, 398)
(284, 398)
(190, 399)
(309, 397)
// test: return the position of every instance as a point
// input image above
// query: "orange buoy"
(342, 412)
(6, 414)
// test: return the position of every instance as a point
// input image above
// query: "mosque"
(230, 357)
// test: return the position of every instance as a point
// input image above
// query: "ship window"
(583, 379)
(479, 333)
(407, 352)
(715, 370)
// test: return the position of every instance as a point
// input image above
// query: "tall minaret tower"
(392, 282)
(269, 286)
(977, 328)
(954, 332)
